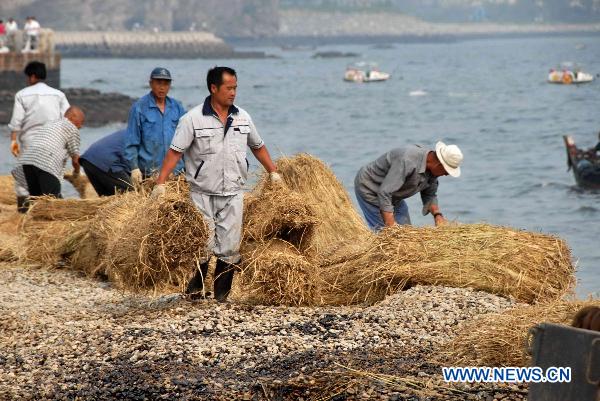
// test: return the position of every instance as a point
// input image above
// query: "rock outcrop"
(100, 108)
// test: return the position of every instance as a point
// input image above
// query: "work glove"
(275, 178)
(136, 176)
(158, 191)
(14, 148)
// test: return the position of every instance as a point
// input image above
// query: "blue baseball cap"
(160, 73)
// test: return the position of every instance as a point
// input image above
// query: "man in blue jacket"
(105, 165)
(151, 126)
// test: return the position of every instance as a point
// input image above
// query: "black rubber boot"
(223, 279)
(22, 204)
(196, 284)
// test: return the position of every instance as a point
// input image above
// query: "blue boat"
(584, 163)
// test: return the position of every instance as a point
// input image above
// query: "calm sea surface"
(488, 96)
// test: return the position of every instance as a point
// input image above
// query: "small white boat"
(568, 74)
(365, 72)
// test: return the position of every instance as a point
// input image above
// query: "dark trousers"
(40, 182)
(106, 184)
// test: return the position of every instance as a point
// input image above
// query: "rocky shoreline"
(100, 108)
(64, 336)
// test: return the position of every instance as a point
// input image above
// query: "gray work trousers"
(223, 214)
(21, 189)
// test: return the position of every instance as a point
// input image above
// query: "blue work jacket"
(149, 133)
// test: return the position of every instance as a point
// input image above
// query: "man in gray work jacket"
(381, 186)
(213, 137)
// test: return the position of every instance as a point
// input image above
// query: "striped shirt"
(52, 146)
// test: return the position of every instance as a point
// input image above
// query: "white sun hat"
(450, 156)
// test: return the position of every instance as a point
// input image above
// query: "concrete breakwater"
(12, 65)
(141, 44)
(14, 61)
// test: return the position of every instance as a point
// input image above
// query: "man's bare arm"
(263, 156)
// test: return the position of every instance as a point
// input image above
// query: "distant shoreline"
(389, 39)
(191, 45)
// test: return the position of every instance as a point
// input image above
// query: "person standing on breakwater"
(34, 106)
(151, 126)
(2, 35)
(105, 165)
(213, 138)
(12, 28)
(32, 31)
(382, 186)
(43, 162)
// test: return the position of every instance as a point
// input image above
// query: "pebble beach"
(65, 336)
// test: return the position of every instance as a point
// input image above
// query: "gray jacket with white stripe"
(215, 154)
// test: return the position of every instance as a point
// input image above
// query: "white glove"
(275, 178)
(158, 191)
(136, 176)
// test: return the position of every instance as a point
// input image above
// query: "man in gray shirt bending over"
(381, 186)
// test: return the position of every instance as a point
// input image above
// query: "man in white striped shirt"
(34, 106)
(43, 162)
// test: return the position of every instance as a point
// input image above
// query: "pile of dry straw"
(45, 230)
(502, 339)
(352, 265)
(139, 243)
(7, 192)
(303, 244)
(149, 244)
(10, 220)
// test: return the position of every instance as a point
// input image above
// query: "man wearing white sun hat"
(382, 186)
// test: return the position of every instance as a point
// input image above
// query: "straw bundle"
(7, 190)
(49, 208)
(152, 244)
(48, 242)
(88, 255)
(500, 339)
(276, 273)
(328, 200)
(278, 213)
(52, 230)
(527, 266)
(82, 185)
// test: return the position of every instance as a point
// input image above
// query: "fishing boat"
(569, 73)
(584, 163)
(365, 72)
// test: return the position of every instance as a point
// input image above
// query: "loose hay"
(500, 339)
(7, 190)
(527, 266)
(49, 208)
(278, 213)
(276, 273)
(152, 244)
